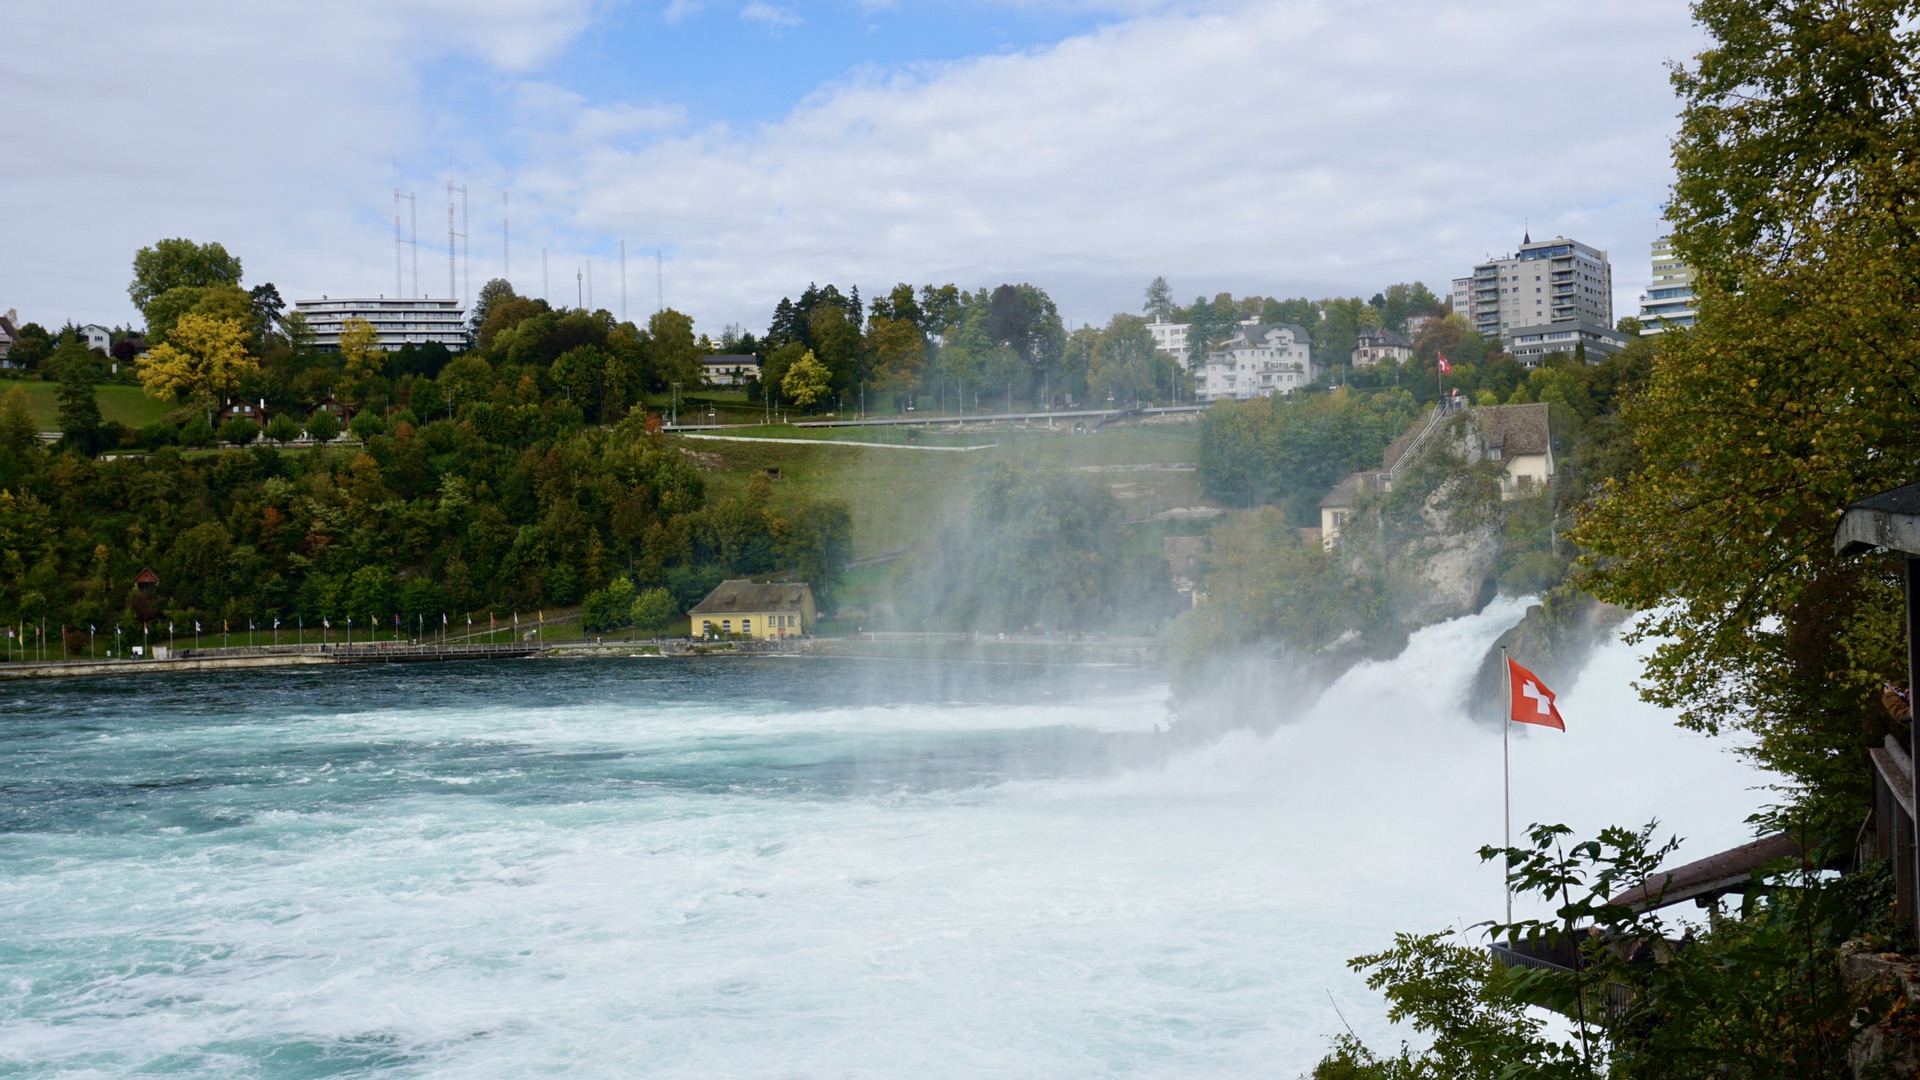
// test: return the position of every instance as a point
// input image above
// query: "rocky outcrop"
(1889, 1047)
(1552, 643)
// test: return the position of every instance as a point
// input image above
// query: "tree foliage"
(1797, 392)
(179, 263)
(206, 360)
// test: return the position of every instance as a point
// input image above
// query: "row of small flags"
(19, 632)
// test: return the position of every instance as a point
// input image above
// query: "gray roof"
(1889, 520)
(1516, 429)
(1378, 336)
(1343, 496)
(731, 360)
(745, 597)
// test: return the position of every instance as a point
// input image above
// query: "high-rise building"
(397, 322)
(1669, 302)
(1547, 297)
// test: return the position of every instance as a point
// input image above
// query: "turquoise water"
(746, 868)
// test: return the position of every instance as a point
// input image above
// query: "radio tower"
(398, 288)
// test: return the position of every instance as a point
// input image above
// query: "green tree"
(672, 353)
(1123, 367)
(283, 428)
(806, 381)
(1793, 181)
(324, 427)
(80, 424)
(1159, 301)
(179, 263)
(654, 610)
(610, 608)
(239, 431)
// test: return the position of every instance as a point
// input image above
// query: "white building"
(1546, 283)
(1170, 338)
(729, 370)
(1669, 303)
(97, 337)
(397, 322)
(1260, 360)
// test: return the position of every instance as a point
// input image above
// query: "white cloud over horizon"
(1296, 148)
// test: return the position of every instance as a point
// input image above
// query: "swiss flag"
(1445, 367)
(1532, 702)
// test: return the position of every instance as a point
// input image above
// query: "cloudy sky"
(1291, 147)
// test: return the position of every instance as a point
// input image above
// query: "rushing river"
(762, 868)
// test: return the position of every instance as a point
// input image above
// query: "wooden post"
(1906, 841)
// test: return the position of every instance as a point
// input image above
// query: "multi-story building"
(1376, 343)
(1530, 344)
(1545, 284)
(1170, 338)
(1463, 297)
(1260, 360)
(397, 322)
(1669, 302)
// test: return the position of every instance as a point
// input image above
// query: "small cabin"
(333, 406)
(741, 608)
(146, 580)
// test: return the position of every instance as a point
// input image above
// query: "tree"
(324, 427)
(205, 361)
(654, 610)
(18, 431)
(360, 348)
(179, 263)
(33, 346)
(899, 352)
(239, 431)
(806, 381)
(1208, 325)
(80, 424)
(672, 353)
(1793, 394)
(492, 293)
(1160, 303)
(283, 428)
(1122, 366)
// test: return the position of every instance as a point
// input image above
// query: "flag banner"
(1531, 702)
(1445, 367)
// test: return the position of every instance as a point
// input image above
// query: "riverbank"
(1038, 650)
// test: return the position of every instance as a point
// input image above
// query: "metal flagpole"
(1506, 771)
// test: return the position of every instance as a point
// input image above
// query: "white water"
(1188, 919)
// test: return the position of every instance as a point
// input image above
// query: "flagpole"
(1506, 771)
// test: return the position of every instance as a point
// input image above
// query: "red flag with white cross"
(1532, 702)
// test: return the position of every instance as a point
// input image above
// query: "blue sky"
(1289, 147)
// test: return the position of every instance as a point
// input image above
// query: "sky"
(742, 150)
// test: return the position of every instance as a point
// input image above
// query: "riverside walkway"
(261, 656)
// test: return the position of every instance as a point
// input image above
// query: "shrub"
(654, 610)
(608, 609)
(323, 426)
(283, 429)
(196, 432)
(366, 425)
(239, 431)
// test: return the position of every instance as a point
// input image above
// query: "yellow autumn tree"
(807, 381)
(204, 359)
(359, 348)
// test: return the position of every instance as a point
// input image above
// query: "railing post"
(1907, 841)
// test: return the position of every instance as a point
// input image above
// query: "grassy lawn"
(129, 405)
(898, 497)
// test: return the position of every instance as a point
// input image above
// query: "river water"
(763, 868)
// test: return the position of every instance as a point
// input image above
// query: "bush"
(158, 434)
(196, 432)
(608, 609)
(366, 425)
(654, 610)
(323, 426)
(283, 429)
(239, 431)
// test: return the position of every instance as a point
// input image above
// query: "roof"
(1256, 333)
(743, 596)
(1342, 496)
(1516, 429)
(1399, 446)
(1380, 335)
(731, 360)
(1890, 519)
(146, 577)
(1712, 876)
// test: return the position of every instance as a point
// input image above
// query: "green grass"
(898, 496)
(128, 405)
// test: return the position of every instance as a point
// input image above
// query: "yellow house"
(745, 609)
(1520, 438)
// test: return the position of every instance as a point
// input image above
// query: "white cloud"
(680, 9)
(1299, 147)
(773, 17)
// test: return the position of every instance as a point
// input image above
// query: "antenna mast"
(399, 288)
(455, 239)
(506, 240)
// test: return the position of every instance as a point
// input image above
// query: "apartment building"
(1558, 283)
(1260, 360)
(1669, 302)
(397, 322)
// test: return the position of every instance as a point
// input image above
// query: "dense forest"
(517, 474)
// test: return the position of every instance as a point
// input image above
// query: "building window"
(726, 626)
(746, 626)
